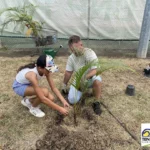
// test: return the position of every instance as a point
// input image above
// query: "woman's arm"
(55, 90)
(31, 76)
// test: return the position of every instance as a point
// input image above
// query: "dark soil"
(88, 135)
(59, 138)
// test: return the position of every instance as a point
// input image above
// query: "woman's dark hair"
(41, 62)
(73, 39)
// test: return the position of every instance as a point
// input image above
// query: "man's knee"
(97, 83)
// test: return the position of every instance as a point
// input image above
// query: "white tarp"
(94, 19)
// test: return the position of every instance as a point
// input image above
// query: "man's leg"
(97, 86)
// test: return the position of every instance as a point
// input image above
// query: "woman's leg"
(49, 101)
(36, 101)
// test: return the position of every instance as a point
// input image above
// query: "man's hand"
(64, 89)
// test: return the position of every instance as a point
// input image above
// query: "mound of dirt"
(59, 138)
(66, 136)
(89, 134)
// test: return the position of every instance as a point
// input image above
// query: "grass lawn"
(19, 130)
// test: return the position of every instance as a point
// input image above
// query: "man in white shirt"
(79, 57)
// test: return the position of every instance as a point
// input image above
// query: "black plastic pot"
(42, 41)
(147, 72)
(130, 90)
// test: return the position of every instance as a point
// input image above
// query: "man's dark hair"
(73, 39)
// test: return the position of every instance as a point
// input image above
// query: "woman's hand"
(66, 104)
(63, 111)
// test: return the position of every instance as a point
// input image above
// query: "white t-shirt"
(21, 75)
(74, 63)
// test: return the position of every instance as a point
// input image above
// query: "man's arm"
(91, 73)
(67, 76)
(91, 56)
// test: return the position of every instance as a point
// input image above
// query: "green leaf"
(78, 80)
(21, 15)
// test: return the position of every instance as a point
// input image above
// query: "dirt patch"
(19, 130)
(88, 135)
(88, 114)
(61, 138)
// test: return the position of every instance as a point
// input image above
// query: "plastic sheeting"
(93, 19)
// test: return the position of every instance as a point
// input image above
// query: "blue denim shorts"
(20, 88)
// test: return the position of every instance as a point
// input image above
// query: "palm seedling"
(22, 16)
(80, 83)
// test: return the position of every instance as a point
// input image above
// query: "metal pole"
(145, 32)
(88, 29)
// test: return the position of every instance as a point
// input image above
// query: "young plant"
(22, 16)
(80, 82)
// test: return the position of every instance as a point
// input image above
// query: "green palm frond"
(21, 16)
(14, 20)
(5, 24)
(13, 9)
(30, 8)
(25, 9)
(102, 65)
(14, 16)
(106, 65)
(76, 80)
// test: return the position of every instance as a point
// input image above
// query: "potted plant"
(80, 83)
(22, 18)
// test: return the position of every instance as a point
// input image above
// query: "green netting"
(11, 40)
(46, 44)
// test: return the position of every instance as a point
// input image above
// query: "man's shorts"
(19, 88)
(75, 95)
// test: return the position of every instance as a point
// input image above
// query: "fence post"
(88, 28)
(145, 32)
